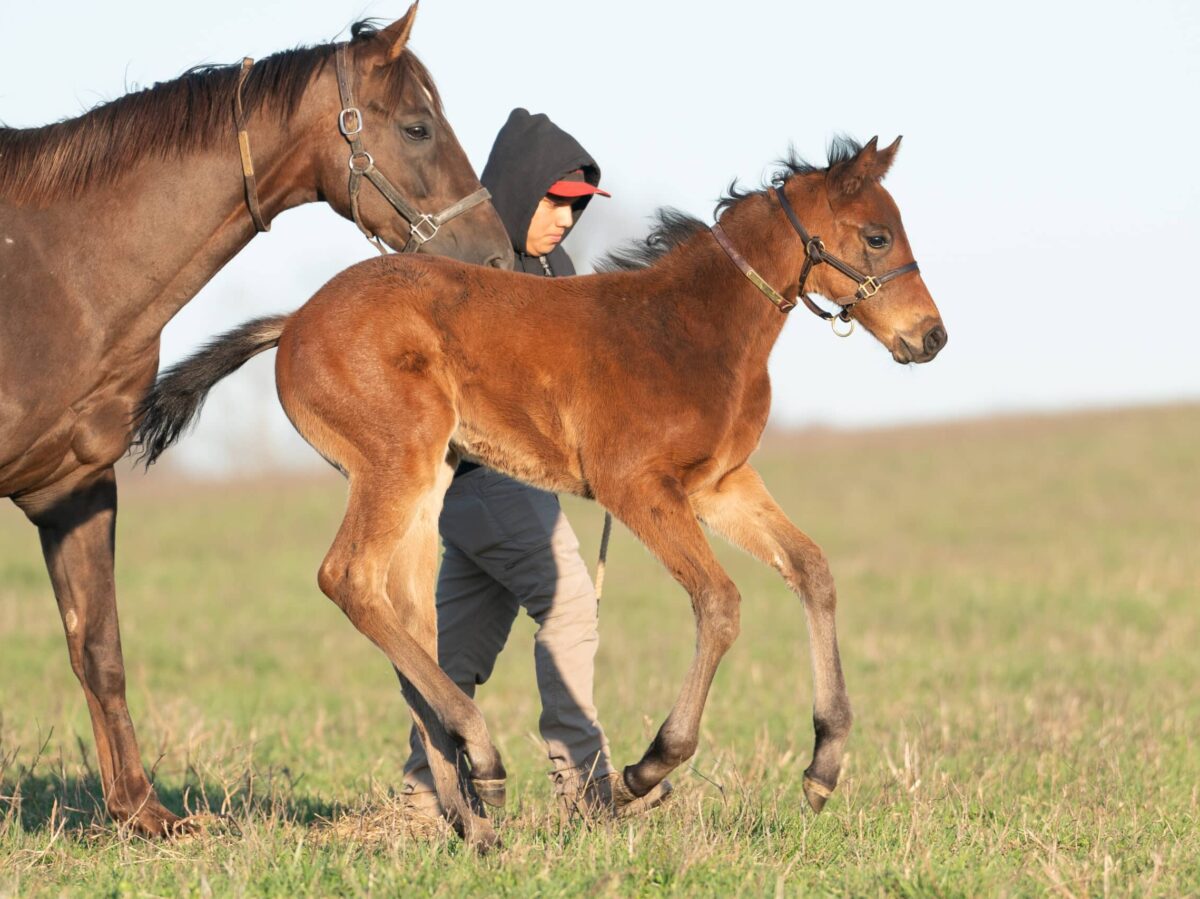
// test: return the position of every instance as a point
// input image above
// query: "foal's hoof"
(816, 793)
(491, 791)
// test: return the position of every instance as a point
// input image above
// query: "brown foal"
(644, 388)
(109, 223)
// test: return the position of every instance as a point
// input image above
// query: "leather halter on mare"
(814, 254)
(423, 227)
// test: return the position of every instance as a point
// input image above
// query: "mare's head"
(405, 136)
(857, 220)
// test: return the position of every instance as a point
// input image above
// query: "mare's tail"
(175, 400)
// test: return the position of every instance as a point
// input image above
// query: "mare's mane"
(169, 119)
(672, 227)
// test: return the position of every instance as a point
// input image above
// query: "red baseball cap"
(574, 185)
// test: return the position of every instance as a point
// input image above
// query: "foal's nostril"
(935, 339)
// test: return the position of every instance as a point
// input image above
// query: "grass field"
(1019, 619)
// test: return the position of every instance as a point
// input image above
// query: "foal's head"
(858, 222)
(407, 137)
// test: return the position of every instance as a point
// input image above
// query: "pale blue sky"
(1047, 177)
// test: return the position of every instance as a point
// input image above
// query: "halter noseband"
(423, 227)
(814, 254)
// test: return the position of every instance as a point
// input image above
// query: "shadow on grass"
(48, 802)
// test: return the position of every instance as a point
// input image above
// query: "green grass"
(1019, 625)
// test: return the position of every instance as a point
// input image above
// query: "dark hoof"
(482, 838)
(153, 821)
(816, 793)
(626, 805)
(491, 792)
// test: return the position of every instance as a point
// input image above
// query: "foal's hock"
(644, 387)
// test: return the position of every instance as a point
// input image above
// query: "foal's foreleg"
(740, 509)
(660, 516)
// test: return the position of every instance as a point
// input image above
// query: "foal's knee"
(810, 574)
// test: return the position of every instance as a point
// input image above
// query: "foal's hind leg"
(411, 587)
(387, 496)
(657, 511)
(741, 510)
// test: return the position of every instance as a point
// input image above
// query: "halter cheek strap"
(814, 254)
(423, 227)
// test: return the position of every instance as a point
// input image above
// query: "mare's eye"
(877, 241)
(416, 132)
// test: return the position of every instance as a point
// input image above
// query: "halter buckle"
(868, 288)
(346, 130)
(425, 221)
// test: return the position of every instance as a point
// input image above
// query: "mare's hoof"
(816, 793)
(490, 792)
(153, 821)
(482, 838)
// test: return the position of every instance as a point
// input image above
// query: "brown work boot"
(605, 796)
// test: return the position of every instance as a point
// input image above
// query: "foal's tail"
(175, 400)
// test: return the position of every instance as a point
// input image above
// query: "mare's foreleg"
(77, 524)
(740, 509)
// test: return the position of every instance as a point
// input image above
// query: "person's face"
(550, 222)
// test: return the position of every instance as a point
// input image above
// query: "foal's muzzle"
(931, 344)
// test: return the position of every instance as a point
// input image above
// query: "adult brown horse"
(645, 388)
(109, 223)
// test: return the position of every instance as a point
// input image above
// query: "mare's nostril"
(497, 261)
(935, 339)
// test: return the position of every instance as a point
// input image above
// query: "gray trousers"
(509, 545)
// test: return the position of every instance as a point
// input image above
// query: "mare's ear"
(871, 164)
(393, 39)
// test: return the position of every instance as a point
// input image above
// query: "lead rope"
(603, 556)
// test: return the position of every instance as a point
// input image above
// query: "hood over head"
(530, 154)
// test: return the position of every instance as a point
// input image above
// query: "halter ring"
(833, 324)
(363, 154)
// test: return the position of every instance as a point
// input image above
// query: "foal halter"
(814, 254)
(423, 227)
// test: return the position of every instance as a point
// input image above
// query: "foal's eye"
(877, 241)
(416, 132)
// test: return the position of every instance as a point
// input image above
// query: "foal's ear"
(870, 164)
(395, 36)
(885, 157)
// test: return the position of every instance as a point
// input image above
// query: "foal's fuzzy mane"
(673, 227)
(171, 118)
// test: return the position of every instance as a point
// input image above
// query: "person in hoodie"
(508, 545)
